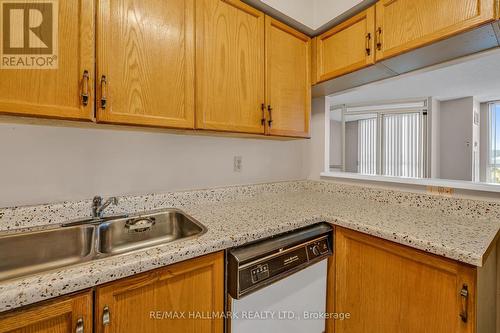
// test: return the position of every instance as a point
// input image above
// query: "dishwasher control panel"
(259, 273)
(317, 249)
(257, 265)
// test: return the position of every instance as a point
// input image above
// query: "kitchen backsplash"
(33, 216)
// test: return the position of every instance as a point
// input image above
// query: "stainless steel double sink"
(25, 253)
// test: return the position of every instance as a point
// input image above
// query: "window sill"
(456, 184)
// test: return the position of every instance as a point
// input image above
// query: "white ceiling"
(477, 76)
(312, 13)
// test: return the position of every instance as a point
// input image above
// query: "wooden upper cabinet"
(229, 66)
(347, 47)
(389, 288)
(145, 62)
(142, 304)
(66, 314)
(53, 91)
(403, 25)
(288, 80)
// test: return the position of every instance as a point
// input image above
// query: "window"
(385, 139)
(494, 143)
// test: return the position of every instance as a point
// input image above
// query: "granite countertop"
(458, 229)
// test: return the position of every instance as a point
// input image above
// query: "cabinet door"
(177, 298)
(288, 80)
(66, 314)
(145, 62)
(347, 47)
(389, 288)
(403, 25)
(229, 66)
(67, 42)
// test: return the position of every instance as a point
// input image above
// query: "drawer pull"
(379, 39)
(368, 39)
(464, 293)
(85, 88)
(106, 316)
(263, 119)
(270, 121)
(79, 326)
(104, 98)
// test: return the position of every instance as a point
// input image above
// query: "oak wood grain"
(146, 51)
(288, 80)
(57, 316)
(390, 288)
(408, 24)
(229, 66)
(195, 286)
(343, 49)
(56, 93)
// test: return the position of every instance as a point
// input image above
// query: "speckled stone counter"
(459, 229)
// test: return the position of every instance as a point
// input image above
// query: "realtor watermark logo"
(29, 34)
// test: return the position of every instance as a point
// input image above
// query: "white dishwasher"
(279, 284)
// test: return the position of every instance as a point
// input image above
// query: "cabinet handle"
(104, 88)
(106, 316)
(379, 39)
(85, 88)
(368, 38)
(270, 121)
(79, 326)
(263, 119)
(464, 293)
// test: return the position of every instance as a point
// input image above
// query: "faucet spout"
(98, 206)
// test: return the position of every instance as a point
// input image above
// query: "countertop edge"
(21, 292)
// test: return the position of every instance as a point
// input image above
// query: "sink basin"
(26, 253)
(145, 230)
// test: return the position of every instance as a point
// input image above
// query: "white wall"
(300, 10)
(314, 149)
(327, 10)
(335, 143)
(312, 13)
(435, 139)
(351, 148)
(41, 164)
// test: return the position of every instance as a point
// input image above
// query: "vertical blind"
(402, 145)
(367, 146)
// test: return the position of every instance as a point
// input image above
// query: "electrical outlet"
(238, 163)
(440, 190)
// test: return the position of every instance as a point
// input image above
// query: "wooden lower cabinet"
(390, 288)
(179, 298)
(63, 315)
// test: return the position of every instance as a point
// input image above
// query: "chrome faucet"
(98, 206)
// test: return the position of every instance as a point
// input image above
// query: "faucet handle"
(97, 200)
